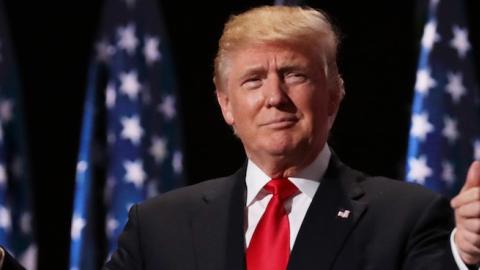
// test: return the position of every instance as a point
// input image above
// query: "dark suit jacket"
(392, 225)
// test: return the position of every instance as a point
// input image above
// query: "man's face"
(277, 101)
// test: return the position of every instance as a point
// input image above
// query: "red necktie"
(269, 247)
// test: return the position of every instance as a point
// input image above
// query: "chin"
(281, 148)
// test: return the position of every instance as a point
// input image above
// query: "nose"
(275, 92)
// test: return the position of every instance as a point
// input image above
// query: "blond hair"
(298, 26)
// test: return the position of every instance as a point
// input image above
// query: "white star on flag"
(78, 224)
(134, 172)
(460, 41)
(5, 218)
(6, 111)
(177, 162)
(129, 84)
(455, 86)
(420, 126)
(424, 81)
(158, 149)
(450, 130)
(111, 94)
(447, 173)
(167, 107)
(112, 225)
(82, 166)
(150, 50)
(127, 39)
(3, 175)
(132, 129)
(419, 170)
(430, 35)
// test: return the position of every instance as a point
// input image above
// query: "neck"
(284, 166)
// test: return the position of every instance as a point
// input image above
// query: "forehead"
(278, 53)
(269, 56)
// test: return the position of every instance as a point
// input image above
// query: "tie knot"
(281, 187)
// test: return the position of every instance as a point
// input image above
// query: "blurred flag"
(130, 145)
(16, 216)
(288, 2)
(444, 133)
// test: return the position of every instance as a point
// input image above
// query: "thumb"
(473, 176)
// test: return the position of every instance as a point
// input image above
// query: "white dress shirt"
(307, 181)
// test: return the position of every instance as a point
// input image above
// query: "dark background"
(53, 42)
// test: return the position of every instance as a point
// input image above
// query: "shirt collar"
(307, 180)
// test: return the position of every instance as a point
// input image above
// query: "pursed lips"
(282, 122)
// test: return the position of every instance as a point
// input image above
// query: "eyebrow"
(292, 67)
(257, 69)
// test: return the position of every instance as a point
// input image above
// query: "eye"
(252, 83)
(295, 77)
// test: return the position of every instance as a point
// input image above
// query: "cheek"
(247, 105)
(316, 109)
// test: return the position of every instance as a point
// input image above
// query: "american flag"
(16, 215)
(444, 133)
(131, 138)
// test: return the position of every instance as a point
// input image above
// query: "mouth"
(281, 123)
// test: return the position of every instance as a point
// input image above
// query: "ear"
(335, 96)
(224, 102)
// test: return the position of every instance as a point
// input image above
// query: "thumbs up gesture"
(467, 217)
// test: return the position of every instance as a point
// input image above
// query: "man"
(294, 204)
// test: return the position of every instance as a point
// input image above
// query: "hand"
(2, 256)
(467, 217)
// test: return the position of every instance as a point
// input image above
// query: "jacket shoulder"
(388, 193)
(185, 197)
(396, 189)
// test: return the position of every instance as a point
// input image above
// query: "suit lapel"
(218, 233)
(323, 230)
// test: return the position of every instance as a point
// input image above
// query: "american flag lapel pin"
(343, 213)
